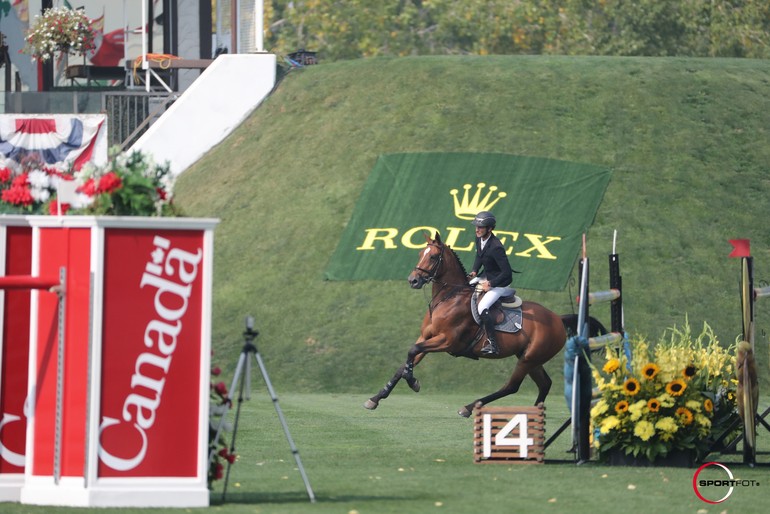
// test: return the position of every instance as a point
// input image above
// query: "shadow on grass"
(298, 497)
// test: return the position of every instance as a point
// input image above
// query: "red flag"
(741, 248)
(110, 51)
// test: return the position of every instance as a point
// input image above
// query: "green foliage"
(357, 28)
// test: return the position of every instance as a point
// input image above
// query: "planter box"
(119, 358)
(674, 459)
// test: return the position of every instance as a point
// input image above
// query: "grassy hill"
(686, 139)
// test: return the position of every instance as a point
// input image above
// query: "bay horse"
(449, 326)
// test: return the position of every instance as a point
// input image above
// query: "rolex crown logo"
(470, 205)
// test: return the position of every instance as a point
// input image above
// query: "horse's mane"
(457, 258)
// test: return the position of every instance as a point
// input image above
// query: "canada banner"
(66, 139)
(151, 351)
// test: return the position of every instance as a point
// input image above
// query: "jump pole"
(749, 295)
(581, 386)
(29, 282)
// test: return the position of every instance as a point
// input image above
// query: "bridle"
(431, 273)
(436, 265)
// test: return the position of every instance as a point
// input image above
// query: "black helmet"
(485, 219)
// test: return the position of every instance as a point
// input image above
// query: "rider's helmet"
(485, 219)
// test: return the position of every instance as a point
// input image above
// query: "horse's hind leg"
(543, 382)
(520, 371)
(414, 384)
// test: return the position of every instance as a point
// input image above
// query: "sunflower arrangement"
(678, 394)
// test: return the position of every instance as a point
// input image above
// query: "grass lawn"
(414, 454)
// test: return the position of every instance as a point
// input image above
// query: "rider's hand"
(471, 275)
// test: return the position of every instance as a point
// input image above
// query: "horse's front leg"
(416, 353)
(413, 358)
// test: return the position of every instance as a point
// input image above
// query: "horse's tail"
(595, 327)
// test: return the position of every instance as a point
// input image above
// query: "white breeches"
(492, 296)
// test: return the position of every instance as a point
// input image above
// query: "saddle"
(506, 312)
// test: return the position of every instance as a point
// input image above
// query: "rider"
(497, 275)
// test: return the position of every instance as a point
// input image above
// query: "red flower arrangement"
(130, 185)
(219, 404)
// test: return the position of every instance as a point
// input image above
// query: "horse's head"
(430, 263)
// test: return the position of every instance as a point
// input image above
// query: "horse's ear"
(438, 238)
(427, 236)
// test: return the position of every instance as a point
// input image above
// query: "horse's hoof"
(415, 385)
(369, 404)
(464, 412)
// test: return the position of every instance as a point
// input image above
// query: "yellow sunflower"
(708, 405)
(631, 387)
(650, 371)
(653, 404)
(621, 406)
(611, 366)
(684, 414)
(689, 371)
(676, 387)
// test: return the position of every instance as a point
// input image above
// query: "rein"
(432, 272)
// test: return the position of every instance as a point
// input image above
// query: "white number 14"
(502, 439)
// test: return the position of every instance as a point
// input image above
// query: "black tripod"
(244, 366)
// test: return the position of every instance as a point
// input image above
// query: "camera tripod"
(244, 368)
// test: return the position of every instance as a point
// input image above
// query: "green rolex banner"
(542, 206)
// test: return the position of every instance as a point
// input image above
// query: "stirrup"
(490, 348)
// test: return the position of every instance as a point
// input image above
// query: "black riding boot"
(490, 347)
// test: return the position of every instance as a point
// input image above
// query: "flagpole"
(260, 25)
(145, 67)
(125, 38)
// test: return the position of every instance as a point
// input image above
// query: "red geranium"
(5, 175)
(53, 208)
(89, 188)
(17, 195)
(109, 182)
(221, 389)
(230, 457)
(20, 180)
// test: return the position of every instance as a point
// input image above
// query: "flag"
(70, 139)
(110, 50)
(741, 248)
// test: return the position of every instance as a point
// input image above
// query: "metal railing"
(130, 114)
